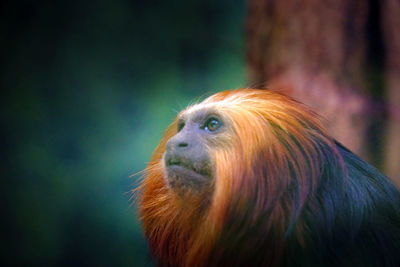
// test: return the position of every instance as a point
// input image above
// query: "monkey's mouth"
(183, 173)
(182, 163)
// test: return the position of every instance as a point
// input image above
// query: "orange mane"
(267, 165)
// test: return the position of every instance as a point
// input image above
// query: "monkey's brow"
(198, 115)
(181, 119)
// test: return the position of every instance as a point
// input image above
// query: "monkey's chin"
(184, 180)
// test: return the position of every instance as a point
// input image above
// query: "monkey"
(250, 177)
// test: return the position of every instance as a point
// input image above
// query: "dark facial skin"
(186, 158)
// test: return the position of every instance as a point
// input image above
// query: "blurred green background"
(87, 88)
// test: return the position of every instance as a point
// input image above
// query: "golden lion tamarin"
(251, 178)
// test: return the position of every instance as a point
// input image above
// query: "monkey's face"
(187, 163)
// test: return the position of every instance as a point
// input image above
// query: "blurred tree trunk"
(331, 56)
(391, 25)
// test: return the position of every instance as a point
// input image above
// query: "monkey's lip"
(178, 164)
(182, 169)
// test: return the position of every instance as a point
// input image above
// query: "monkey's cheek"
(180, 178)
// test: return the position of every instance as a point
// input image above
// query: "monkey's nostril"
(182, 144)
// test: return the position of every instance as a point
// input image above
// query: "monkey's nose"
(176, 144)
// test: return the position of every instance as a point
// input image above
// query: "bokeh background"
(87, 88)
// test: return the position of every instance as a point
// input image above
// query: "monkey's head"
(242, 157)
(225, 136)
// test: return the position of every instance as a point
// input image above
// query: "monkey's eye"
(212, 124)
(181, 124)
